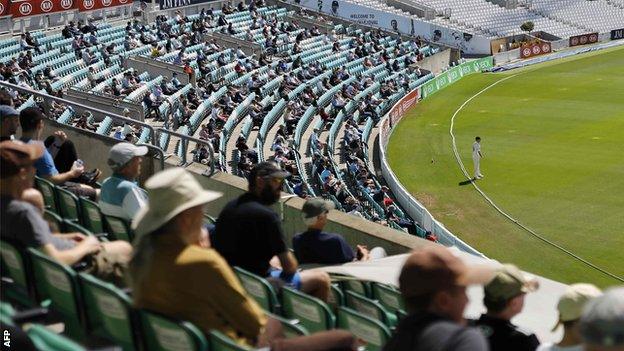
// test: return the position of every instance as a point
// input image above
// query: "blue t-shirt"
(315, 246)
(45, 164)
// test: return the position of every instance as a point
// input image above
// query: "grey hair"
(309, 221)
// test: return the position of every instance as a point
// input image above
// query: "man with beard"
(249, 234)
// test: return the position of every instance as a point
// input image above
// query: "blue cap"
(7, 111)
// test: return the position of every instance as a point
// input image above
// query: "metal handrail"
(185, 139)
(159, 151)
(67, 102)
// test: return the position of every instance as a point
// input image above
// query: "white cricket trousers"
(477, 166)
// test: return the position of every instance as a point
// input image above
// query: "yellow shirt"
(196, 284)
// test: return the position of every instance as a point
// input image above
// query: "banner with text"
(536, 49)
(23, 8)
(584, 39)
(454, 74)
(405, 24)
(171, 4)
(90, 5)
(617, 34)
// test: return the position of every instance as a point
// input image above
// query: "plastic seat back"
(108, 312)
(118, 228)
(91, 216)
(313, 313)
(68, 204)
(160, 333)
(59, 283)
(371, 331)
(369, 308)
(47, 340)
(220, 342)
(259, 288)
(388, 297)
(49, 194)
(16, 267)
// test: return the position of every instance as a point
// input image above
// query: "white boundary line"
(493, 204)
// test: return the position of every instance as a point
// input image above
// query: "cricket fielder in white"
(476, 158)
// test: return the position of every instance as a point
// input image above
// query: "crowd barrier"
(412, 206)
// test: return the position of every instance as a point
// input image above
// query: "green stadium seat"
(374, 333)
(47, 340)
(336, 296)
(73, 227)
(370, 308)
(48, 192)
(17, 285)
(291, 327)
(55, 221)
(91, 216)
(313, 313)
(259, 288)
(118, 227)
(108, 312)
(68, 204)
(388, 296)
(59, 283)
(358, 286)
(220, 342)
(160, 333)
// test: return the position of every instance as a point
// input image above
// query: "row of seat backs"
(80, 214)
(96, 309)
(368, 309)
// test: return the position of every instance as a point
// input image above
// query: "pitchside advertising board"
(584, 39)
(454, 74)
(617, 34)
(25, 8)
(535, 49)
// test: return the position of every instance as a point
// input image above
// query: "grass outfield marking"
(493, 204)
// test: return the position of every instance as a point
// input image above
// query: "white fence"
(412, 206)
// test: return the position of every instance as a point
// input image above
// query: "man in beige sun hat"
(504, 299)
(570, 309)
(174, 272)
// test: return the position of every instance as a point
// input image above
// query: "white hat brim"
(147, 221)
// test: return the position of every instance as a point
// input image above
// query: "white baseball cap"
(573, 300)
(122, 153)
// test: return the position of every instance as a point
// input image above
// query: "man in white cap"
(602, 322)
(570, 308)
(121, 196)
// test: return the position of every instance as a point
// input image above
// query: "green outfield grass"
(553, 144)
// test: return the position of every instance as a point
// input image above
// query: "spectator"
(602, 322)
(433, 285)
(10, 122)
(31, 120)
(570, 308)
(22, 222)
(504, 299)
(317, 246)
(175, 272)
(121, 196)
(249, 235)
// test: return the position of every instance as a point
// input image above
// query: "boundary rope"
(501, 211)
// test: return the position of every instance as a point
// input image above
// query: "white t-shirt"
(553, 347)
(476, 147)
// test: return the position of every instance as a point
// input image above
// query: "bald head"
(34, 197)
